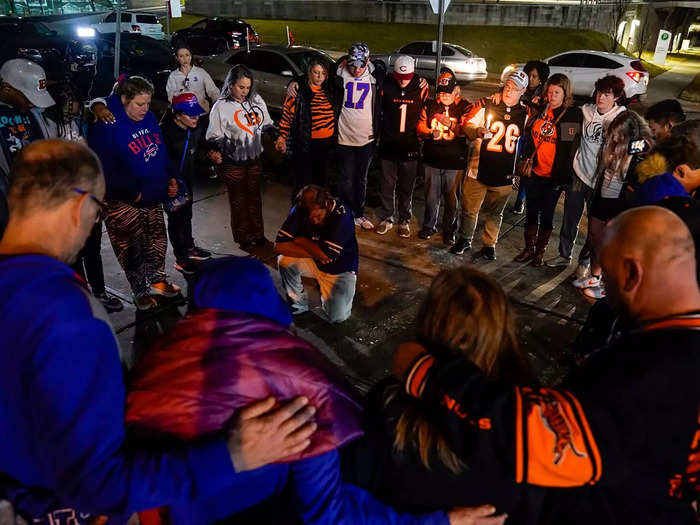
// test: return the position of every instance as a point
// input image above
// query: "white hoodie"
(593, 132)
(236, 127)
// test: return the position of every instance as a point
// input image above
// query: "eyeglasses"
(102, 210)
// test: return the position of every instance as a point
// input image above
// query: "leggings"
(139, 242)
(243, 187)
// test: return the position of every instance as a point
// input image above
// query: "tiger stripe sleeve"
(288, 111)
(541, 435)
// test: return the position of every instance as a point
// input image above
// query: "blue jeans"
(578, 195)
(353, 165)
(441, 185)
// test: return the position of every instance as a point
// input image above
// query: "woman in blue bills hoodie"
(137, 172)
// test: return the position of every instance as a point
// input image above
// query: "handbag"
(523, 167)
(183, 195)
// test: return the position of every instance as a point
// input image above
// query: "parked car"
(213, 36)
(273, 67)
(139, 55)
(465, 65)
(58, 55)
(139, 23)
(584, 67)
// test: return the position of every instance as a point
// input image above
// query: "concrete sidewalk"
(393, 277)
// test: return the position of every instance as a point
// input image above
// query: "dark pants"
(139, 242)
(542, 197)
(312, 167)
(578, 195)
(441, 185)
(180, 231)
(243, 187)
(89, 262)
(396, 190)
(353, 165)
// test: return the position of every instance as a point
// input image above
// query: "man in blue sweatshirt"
(61, 389)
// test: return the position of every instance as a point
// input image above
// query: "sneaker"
(165, 289)
(188, 267)
(213, 175)
(587, 282)
(365, 223)
(404, 230)
(558, 262)
(383, 227)
(449, 239)
(489, 252)
(111, 303)
(462, 245)
(199, 254)
(519, 207)
(426, 233)
(583, 270)
(145, 302)
(596, 292)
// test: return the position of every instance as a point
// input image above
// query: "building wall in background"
(595, 17)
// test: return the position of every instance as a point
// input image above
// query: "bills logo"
(150, 151)
(41, 84)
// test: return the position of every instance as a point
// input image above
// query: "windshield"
(462, 50)
(302, 58)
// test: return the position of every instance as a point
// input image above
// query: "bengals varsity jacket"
(620, 441)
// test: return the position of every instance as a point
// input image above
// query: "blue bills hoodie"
(133, 155)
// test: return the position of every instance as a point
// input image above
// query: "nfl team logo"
(150, 151)
(445, 81)
(506, 117)
(41, 84)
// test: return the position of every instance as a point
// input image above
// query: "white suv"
(585, 67)
(140, 23)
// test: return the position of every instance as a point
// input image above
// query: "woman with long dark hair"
(405, 458)
(552, 143)
(236, 123)
(189, 78)
(308, 126)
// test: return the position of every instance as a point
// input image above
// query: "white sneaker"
(588, 282)
(383, 227)
(583, 270)
(596, 292)
(358, 222)
(557, 262)
(365, 223)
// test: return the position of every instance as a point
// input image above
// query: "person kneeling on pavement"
(494, 130)
(318, 240)
(236, 346)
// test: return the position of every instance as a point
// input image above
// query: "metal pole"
(441, 23)
(117, 39)
(167, 16)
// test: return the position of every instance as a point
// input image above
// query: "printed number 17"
(360, 104)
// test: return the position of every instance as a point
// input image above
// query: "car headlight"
(85, 32)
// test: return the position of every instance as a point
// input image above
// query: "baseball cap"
(358, 55)
(446, 83)
(188, 104)
(520, 79)
(404, 67)
(239, 284)
(28, 78)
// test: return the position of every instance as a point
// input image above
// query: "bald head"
(648, 257)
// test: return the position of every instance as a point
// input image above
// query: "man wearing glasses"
(62, 396)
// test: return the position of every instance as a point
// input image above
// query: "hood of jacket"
(214, 361)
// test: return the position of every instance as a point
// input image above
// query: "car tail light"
(638, 66)
(136, 28)
(635, 75)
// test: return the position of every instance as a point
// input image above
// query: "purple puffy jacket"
(213, 362)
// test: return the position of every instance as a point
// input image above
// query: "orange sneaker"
(165, 289)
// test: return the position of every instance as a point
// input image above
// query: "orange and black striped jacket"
(323, 116)
(622, 437)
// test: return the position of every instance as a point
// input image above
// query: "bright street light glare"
(86, 32)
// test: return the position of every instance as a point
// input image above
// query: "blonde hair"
(465, 313)
(564, 82)
(627, 126)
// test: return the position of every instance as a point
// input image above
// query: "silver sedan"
(465, 65)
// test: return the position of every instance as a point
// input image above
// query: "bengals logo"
(41, 84)
(246, 120)
(552, 416)
(547, 129)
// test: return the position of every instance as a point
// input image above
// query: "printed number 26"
(350, 87)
